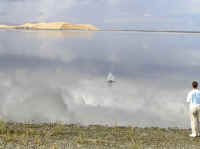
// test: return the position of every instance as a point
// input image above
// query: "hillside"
(51, 26)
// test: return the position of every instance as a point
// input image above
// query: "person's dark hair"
(195, 84)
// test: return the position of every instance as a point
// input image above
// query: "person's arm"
(189, 97)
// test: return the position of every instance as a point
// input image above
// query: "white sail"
(110, 78)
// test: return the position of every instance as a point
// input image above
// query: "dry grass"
(61, 136)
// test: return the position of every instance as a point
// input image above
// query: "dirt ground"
(62, 136)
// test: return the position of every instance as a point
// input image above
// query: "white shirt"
(189, 98)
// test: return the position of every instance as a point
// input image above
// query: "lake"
(48, 76)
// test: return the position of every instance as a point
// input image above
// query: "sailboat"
(110, 78)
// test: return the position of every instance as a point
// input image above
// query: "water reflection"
(52, 76)
(48, 34)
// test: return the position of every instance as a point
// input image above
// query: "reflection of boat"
(110, 78)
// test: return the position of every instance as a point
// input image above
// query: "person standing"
(193, 99)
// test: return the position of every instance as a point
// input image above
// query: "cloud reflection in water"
(61, 78)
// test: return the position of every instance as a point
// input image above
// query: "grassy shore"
(61, 136)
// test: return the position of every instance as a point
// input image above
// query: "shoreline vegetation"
(75, 136)
(51, 26)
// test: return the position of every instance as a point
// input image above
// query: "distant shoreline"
(159, 31)
(50, 26)
(107, 30)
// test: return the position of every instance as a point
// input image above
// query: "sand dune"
(6, 27)
(51, 26)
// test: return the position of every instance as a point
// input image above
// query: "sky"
(146, 14)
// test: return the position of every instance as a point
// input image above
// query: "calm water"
(61, 76)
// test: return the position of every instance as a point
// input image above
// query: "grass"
(63, 136)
